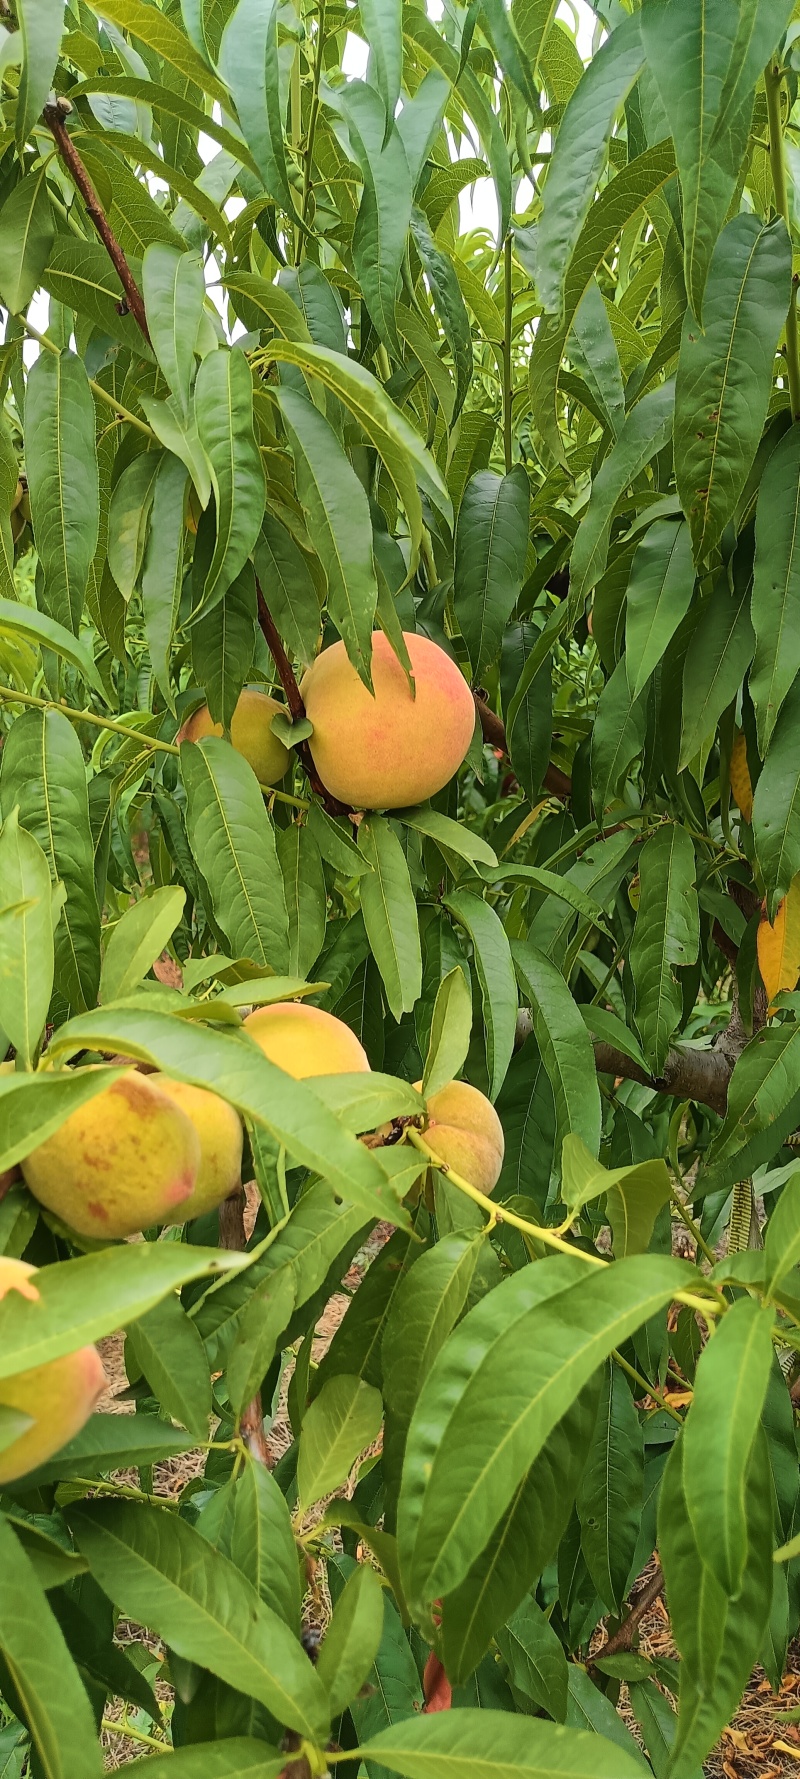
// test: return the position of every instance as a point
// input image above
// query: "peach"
(306, 1041)
(390, 750)
(123, 1161)
(251, 734)
(219, 1129)
(464, 1132)
(58, 1397)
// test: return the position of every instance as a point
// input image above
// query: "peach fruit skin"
(464, 1131)
(306, 1040)
(392, 750)
(251, 734)
(219, 1129)
(59, 1397)
(125, 1160)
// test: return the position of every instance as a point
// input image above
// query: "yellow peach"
(306, 1041)
(219, 1129)
(251, 734)
(58, 1397)
(125, 1160)
(464, 1132)
(393, 749)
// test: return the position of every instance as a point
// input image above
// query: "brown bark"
(232, 1236)
(688, 1074)
(622, 1639)
(54, 116)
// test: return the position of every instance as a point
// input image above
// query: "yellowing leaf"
(779, 944)
(740, 778)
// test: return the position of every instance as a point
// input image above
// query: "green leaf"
(718, 1438)
(495, 972)
(353, 1637)
(224, 409)
(397, 443)
(491, 547)
(390, 914)
(689, 48)
(26, 937)
(174, 293)
(235, 1757)
(636, 1193)
(719, 1636)
(523, 1543)
(138, 939)
(340, 1423)
(495, 1745)
(579, 153)
(292, 597)
(223, 644)
(248, 62)
(394, 1690)
(425, 1306)
(720, 653)
(666, 936)
(262, 1542)
(592, 343)
(306, 896)
(724, 375)
(232, 1065)
(379, 236)
(233, 843)
(382, 21)
(448, 303)
(80, 275)
(450, 836)
(128, 517)
(62, 480)
(52, 1698)
(553, 885)
(762, 1106)
(659, 594)
(26, 237)
(162, 573)
(266, 1317)
(564, 1045)
(180, 438)
(776, 806)
(500, 1384)
(82, 1300)
(112, 1442)
(162, 1572)
(272, 301)
(41, 23)
(168, 41)
(782, 1240)
(168, 1349)
(775, 607)
(43, 773)
(536, 1661)
(337, 512)
(646, 430)
(620, 200)
(451, 1027)
(611, 1488)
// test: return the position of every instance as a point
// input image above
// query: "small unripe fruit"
(219, 1129)
(251, 734)
(464, 1132)
(393, 749)
(59, 1397)
(306, 1041)
(125, 1160)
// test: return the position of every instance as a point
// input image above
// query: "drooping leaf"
(721, 1428)
(390, 914)
(340, 1423)
(666, 936)
(646, 429)
(610, 1492)
(658, 597)
(635, 1193)
(379, 237)
(174, 292)
(233, 844)
(352, 1638)
(224, 408)
(26, 237)
(495, 972)
(779, 945)
(43, 773)
(724, 374)
(776, 586)
(41, 23)
(720, 651)
(62, 480)
(451, 1026)
(776, 806)
(491, 547)
(249, 63)
(26, 937)
(449, 304)
(564, 1045)
(43, 1673)
(162, 570)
